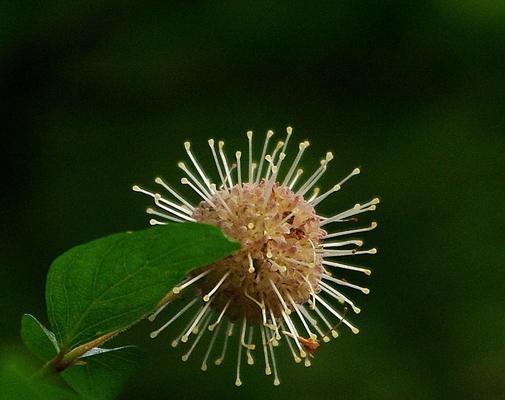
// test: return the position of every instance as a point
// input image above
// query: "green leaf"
(103, 374)
(112, 282)
(39, 340)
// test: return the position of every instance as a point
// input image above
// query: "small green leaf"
(39, 340)
(101, 376)
(112, 282)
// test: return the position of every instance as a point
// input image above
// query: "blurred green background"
(101, 95)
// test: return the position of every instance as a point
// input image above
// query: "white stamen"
(218, 166)
(297, 175)
(185, 181)
(181, 311)
(274, 324)
(296, 358)
(316, 175)
(284, 305)
(153, 316)
(344, 283)
(300, 316)
(335, 188)
(274, 364)
(177, 289)
(366, 271)
(185, 357)
(343, 253)
(289, 132)
(204, 309)
(251, 263)
(153, 221)
(336, 314)
(271, 181)
(263, 153)
(373, 225)
(161, 182)
(333, 332)
(319, 199)
(354, 172)
(357, 209)
(271, 159)
(314, 194)
(162, 215)
(197, 182)
(249, 138)
(238, 382)
(238, 155)
(175, 342)
(225, 163)
(294, 333)
(314, 324)
(301, 148)
(209, 349)
(215, 288)
(227, 335)
(187, 146)
(268, 370)
(250, 358)
(159, 203)
(344, 243)
(339, 296)
(213, 325)
(242, 335)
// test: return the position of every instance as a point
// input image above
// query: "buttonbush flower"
(284, 285)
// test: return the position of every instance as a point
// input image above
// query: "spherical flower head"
(282, 282)
(278, 231)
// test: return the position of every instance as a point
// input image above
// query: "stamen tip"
(152, 335)
(211, 142)
(289, 130)
(356, 171)
(277, 382)
(270, 133)
(176, 290)
(373, 251)
(184, 339)
(184, 358)
(206, 298)
(136, 188)
(355, 330)
(204, 367)
(367, 272)
(187, 145)
(249, 134)
(238, 382)
(366, 290)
